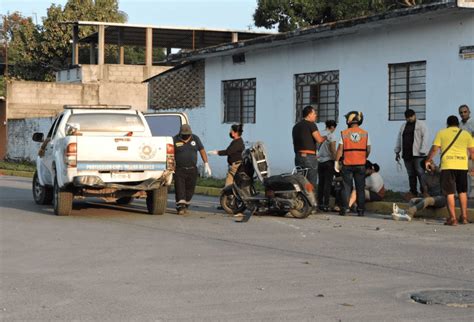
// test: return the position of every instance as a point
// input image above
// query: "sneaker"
(400, 214)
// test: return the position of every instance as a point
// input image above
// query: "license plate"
(120, 176)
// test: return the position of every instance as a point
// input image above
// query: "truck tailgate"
(121, 153)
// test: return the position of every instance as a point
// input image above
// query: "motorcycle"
(289, 192)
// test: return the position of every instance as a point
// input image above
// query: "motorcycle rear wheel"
(303, 208)
(231, 204)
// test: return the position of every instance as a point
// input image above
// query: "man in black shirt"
(186, 146)
(412, 141)
(305, 137)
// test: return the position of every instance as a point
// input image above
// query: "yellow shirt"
(457, 156)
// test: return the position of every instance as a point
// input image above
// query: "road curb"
(381, 207)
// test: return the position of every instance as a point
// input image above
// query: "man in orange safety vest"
(354, 148)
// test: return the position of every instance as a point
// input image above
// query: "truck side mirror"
(38, 137)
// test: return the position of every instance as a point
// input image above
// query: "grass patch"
(17, 166)
(210, 182)
(393, 196)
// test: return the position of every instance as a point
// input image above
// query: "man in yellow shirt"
(455, 145)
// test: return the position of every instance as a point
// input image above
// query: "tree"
(37, 52)
(293, 14)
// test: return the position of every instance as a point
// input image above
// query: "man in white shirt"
(467, 124)
(374, 187)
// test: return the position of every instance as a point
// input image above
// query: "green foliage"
(2, 86)
(17, 166)
(292, 14)
(37, 52)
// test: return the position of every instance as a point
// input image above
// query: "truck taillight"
(170, 162)
(70, 155)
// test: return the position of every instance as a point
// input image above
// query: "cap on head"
(185, 129)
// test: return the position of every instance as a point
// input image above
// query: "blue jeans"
(415, 171)
(310, 162)
(354, 173)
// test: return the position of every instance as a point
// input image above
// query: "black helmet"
(354, 117)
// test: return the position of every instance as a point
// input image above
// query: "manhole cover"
(456, 298)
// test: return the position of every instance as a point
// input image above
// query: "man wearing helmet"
(354, 147)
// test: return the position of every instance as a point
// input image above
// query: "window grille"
(239, 100)
(407, 90)
(320, 90)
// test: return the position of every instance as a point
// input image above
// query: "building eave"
(322, 31)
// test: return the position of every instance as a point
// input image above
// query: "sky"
(220, 14)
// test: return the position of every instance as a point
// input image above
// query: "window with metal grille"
(320, 90)
(239, 100)
(407, 90)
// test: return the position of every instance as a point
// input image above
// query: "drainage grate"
(455, 298)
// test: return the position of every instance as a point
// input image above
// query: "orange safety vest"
(354, 142)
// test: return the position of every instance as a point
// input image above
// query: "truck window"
(56, 127)
(50, 132)
(164, 125)
(107, 122)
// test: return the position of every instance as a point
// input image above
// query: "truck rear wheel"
(43, 195)
(156, 200)
(62, 200)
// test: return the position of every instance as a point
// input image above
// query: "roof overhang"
(325, 31)
(163, 36)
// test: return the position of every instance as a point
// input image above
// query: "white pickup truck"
(107, 152)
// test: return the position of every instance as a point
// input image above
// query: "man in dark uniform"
(186, 146)
(305, 136)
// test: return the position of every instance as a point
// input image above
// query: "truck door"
(47, 159)
(165, 124)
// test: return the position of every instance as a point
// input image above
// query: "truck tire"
(124, 200)
(62, 200)
(303, 208)
(41, 194)
(156, 200)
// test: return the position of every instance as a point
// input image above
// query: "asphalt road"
(106, 262)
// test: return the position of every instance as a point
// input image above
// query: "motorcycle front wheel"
(231, 204)
(303, 207)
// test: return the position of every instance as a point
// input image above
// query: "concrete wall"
(40, 99)
(109, 73)
(20, 145)
(362, 61)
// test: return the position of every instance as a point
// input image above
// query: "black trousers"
(353, 174)
(184, 185)
(325, 175)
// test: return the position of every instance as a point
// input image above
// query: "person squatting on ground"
(454, 144)
(374, 187)
(327, 155)
(434, 199)
(354, 146)
(467, 124)
(186, 146)
(305, 137)
(233, 152)
(412, 141)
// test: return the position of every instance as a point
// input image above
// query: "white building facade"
(422, 60)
